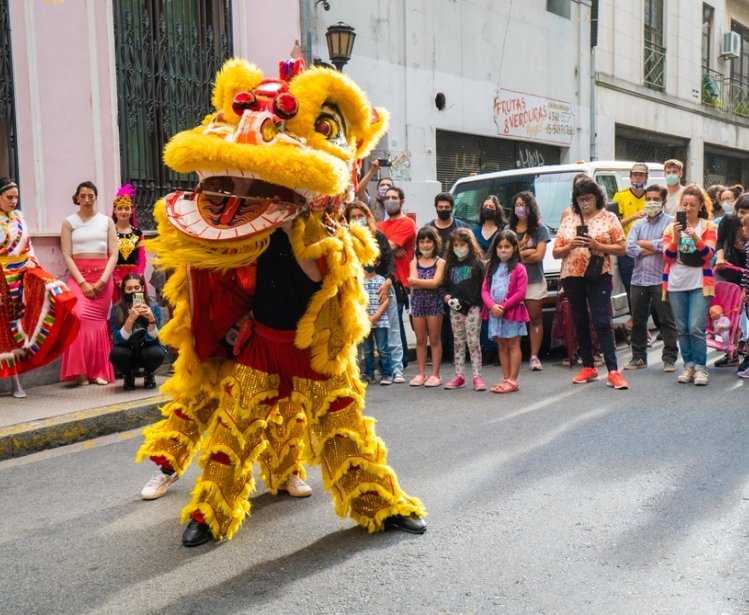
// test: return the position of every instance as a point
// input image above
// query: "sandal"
(506, 386)
(417, 381)
(433, 381)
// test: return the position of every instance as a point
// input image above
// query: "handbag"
(138, 335)
(594, 270)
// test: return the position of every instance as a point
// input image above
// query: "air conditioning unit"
(730, 45)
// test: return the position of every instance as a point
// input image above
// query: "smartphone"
(385, 162)
(138, 299)
(681, 218)
(582, 230)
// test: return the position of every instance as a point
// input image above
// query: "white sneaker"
(19, 393)
(398, 378)
(157, 486)
(296, 487)
(701, 377)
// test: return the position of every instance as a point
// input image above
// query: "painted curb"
(35, 436)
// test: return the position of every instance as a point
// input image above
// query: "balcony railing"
(725, 93)
(654, 64)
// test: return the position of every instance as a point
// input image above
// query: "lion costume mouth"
(233, 206)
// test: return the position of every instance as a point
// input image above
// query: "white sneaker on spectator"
(296, 487)
(701, 377)
(398, 378)
(157, 486)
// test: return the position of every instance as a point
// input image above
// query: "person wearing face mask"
(400, 231)
(590, 230)
(491, 220)
(376, 205)
(135, 331)
(358, 213)
(445, 224)
(533, 237)
(645, 246)
(673, 169)
(631, 203)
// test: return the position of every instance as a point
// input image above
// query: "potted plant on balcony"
(710, 92)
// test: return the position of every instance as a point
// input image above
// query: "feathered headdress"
(125, 196)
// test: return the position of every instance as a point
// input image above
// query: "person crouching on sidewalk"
(135, 329)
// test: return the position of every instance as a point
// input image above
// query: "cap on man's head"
(639, 168)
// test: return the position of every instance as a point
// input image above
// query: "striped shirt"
(648, 270)
(705, 247)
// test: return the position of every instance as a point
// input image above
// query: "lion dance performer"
(268, 302)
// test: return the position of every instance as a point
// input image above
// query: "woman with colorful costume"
(89, 248)
(131, 253)
(36, 311)
(264, 274)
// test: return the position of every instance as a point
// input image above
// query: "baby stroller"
(731, 298)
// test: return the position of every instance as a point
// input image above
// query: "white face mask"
(358, 222)
(728, 205)
(653, 208)
(461, 253)
(426, 253)
(504, 257)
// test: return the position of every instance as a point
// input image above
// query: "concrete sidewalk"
(58, 414)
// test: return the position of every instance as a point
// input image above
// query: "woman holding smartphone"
(688, 248)
(135, 328)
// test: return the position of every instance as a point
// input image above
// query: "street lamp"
(340, 43)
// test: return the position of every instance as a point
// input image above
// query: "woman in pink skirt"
(89, 247)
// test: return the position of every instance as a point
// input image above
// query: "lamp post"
(340, 39)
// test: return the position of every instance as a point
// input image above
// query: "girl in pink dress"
(89, 247)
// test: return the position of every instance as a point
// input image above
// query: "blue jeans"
(378, 337)
(394, 333)
(690, 313)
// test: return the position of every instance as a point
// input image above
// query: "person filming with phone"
(135, 328)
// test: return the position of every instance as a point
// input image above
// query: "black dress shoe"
(412, 525)
(196, 534)
(128, 382)
(149, 382)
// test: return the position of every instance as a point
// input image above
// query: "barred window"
(167, 57)
(654, 60)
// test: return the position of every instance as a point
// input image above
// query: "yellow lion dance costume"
(268, 301)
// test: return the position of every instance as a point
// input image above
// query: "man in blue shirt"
(645, 246)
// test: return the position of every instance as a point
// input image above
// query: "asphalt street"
(561, 498)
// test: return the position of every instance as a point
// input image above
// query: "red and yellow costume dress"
(36, 310)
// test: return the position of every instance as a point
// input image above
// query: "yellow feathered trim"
(406, 507)
(236, 75)
(317, 87)
(336, 318)
(207, 497)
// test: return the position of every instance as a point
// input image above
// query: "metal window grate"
(654, 64)
(167, 57)
(8, 135)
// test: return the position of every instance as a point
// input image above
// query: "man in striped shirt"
(645, 246)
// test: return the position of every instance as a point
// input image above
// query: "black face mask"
(128, 297)
(443, 214)
(489, 213)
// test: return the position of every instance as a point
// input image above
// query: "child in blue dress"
(503, 292)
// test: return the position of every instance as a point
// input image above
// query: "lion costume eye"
(331, 125)
(327, 127)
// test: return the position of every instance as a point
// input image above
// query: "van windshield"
(553, 192)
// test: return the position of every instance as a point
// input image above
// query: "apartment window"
(654, 60)
(559, 7)
(707, 30)
(167, 57)
(738, 96)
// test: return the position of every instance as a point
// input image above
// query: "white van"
(552, 186)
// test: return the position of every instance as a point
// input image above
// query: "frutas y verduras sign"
(533, 118)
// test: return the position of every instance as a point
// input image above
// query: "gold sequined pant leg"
(353, 459)
(283, 455)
